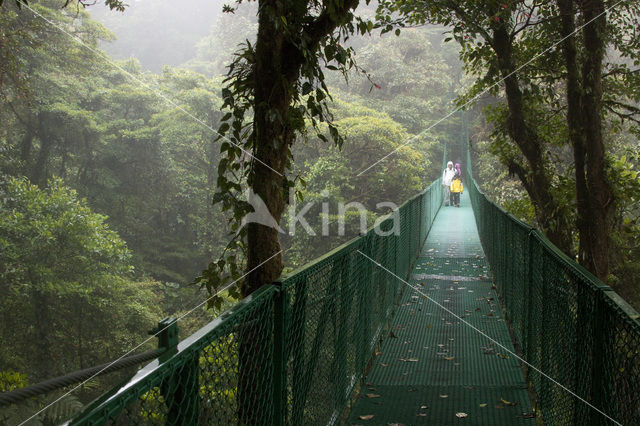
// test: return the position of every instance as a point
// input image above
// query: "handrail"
(566, 322)
(21, 394)
(293, 352)
(166, 332)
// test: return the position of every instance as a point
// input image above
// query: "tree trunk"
(278, 61)
(39, 173)
(44, 358)
(595, 253)
(574, 117)
(537, 182)
(272, 137)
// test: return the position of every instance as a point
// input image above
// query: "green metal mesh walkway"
(433, 369)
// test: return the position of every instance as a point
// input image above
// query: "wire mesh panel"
(220, 375)
(337, 308)
(292, 352)
(569, 325)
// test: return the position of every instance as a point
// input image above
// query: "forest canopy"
(121, 203)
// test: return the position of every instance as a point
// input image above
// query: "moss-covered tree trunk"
(536, 181)
(279, 56)
(597, 216)
(584, 95)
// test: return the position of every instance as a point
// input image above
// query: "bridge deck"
(437, 368)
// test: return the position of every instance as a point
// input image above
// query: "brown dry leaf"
(505, 402)
(382, 364)
(489, 314)
(499, 406)
(373, 395)
(483, 405)
(421, 414)
(530, 415)
(366, 417)
(461, 415)
(444, 396)
(449, 358)
(378, 353)
(478, 309)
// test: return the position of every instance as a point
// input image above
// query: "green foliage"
(67, 300)
(312, 37)
(12, 380)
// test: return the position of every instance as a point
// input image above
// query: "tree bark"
(595, 253)
(277, 69)
(537, 182)
(574, 117)
(278, 62)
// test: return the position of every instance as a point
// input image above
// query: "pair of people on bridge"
(452, 183)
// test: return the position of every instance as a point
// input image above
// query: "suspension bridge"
(467, 316)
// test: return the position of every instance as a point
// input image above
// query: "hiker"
(456, 190)
(458, 170)
(447, 177)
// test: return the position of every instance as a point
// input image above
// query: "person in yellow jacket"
(456, 189)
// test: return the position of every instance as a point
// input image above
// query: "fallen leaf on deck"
(423, 407)
(382, 364)
(505, 402)
(444, 396)
(483, 405)
(462, 415)
(366, 417)
(421, 414)
(428, 326)
(499, 406)
(373, 395)
(530, 415)
(449, 358)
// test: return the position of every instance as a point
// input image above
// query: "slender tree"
(502, 42)
(279, 81)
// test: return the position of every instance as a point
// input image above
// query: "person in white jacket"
(447, 177)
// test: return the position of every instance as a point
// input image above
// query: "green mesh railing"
(291, 353)
(566, 322)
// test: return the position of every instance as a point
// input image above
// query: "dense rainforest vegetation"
(120, 203)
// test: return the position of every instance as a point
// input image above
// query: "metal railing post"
(181, 391)
(279, 356)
